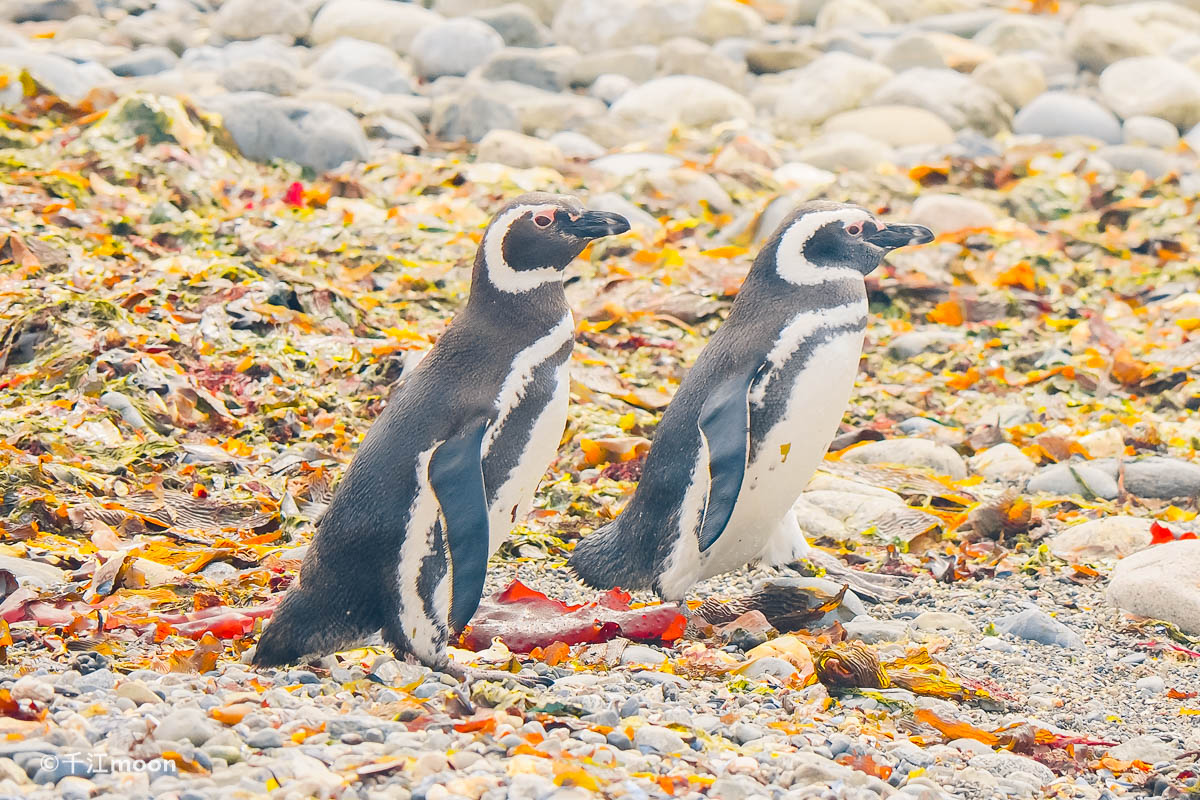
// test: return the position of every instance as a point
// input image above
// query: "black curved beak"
(595, 224)
(893, 236)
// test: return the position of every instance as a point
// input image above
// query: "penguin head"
(535, 236)
(821, 241)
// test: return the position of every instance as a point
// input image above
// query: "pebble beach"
(228, 228)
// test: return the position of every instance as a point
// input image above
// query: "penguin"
(753, 418)
(453, 461)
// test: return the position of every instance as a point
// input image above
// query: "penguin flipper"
(456, 475)
(725, 427)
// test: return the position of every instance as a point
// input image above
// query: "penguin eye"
(543, 219)
(855, 229)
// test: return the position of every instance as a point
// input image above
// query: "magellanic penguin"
(453, 461)
(754, 416)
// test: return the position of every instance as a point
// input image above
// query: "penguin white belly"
(815, 406)
(516, 493)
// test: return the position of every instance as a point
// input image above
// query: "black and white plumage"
(453, 461)
(754, 416)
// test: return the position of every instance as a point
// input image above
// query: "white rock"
(611, 87)
(1156, 86)
(380, 21)
(910, 452)
(638, 64)
(683, 55)
(943, 213)
(1016, 33)
(833, 83)
(951, 95)
(1107, 443)
(1100, 539)
(851, 14)
(1148, 748)
(681, 99)
(896, 126)
(1004, 461)
(31, 687)
(1063, 114)
(1016, 78)
(250, 19)
(597, 25)
(575, 145)
(847, 150)
(1005, 764)
(1150, 131)
(1161, 582)
(518, 150)
(943, 621)
(803, 180)
(1098, 37)
(914, 49)
(453, 47)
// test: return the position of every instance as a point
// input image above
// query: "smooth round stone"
(1004, 461)
(1062, 114)
(611, 87)
(250, 19)
(1097, 37)
(944, 213)
(848, 150)
(893, 125)
(831, 84)
(517, 24)
(1107, 538)
(910, 452)
(1015, 77)
(453, 47)
(1154, 86)
(681, 99)
(659, 740)
(576, 145)
(381, 21)
(1038, 626)
(1149, 131)
(1160, 582)
(364, 63)
(518, 150)
(1074, 479)
(954, 97)
(837, 15)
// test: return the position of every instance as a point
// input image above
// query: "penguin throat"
(499, 273)
(790, 261)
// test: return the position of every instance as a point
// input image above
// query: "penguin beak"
(892, 236)
(595, 224)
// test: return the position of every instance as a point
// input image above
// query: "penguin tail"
(606, 560)
(300, 628)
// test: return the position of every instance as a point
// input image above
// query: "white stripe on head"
(501, 275)
(790, 262)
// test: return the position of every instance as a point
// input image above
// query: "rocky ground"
(228, 229)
